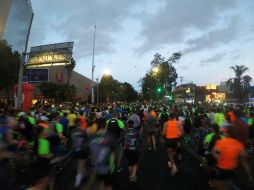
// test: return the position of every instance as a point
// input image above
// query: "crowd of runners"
(100, 137)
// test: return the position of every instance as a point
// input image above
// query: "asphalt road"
(153, 174)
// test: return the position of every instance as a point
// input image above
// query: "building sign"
(59, 77)
(38, 75)
(50, 55)
(211, 87)
(216, 97)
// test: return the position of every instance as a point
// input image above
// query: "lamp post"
(97, 85)
(93, 66)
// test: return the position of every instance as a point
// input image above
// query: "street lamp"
(106, 72)
(155, 70)
(97, 81)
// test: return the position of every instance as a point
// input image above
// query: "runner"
(72, 119)
(228, 151)
(103, 149)
(116, 127)
(172, 133)
(131, 150)
(80, 153)
(149, 130)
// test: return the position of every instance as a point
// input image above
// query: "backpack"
(78, 140)
(100, 150)
(114, 128)
(163, 118)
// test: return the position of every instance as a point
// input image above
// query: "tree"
(107, 88)
(66, 92)
(49, 90)
(69, 68)
(9, 67)
(160, 76)
(129, 93)
(240, 85)
(60, 92)
(111, 90)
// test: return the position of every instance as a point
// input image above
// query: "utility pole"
(93, 66)
(181, 79)
(21, 67)
(97, 81)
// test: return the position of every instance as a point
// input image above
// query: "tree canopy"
(159, 79)
(58, 92)
(111, 90)
(9, 67)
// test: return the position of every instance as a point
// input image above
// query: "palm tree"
(240, 85)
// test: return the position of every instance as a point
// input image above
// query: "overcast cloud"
(130, 32)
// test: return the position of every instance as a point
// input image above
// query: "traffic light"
(158, 90)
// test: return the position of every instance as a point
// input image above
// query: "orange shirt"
(83, 122)
(229, 151)
(153, 113)
(172, 129)
(43, 125)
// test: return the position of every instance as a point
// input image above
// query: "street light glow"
(106, 72)
(155, 69)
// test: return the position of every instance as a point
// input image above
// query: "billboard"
(37, 75)
(216, 97)
(50, 55)
(211, 87)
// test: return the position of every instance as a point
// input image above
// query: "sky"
(212, 35)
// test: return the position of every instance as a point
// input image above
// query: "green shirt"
(219, 119)
(250, 121)
(32, 120)
(43, 147)
(59, 128)
(209, 137)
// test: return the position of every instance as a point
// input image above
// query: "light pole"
(97, 85)
(93, 66)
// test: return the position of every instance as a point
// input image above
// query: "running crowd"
(33, 143)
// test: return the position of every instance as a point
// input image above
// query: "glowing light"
(34, 101)
(155, 69)
(211, 87)
(106, 72)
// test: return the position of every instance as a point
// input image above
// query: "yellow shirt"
(71, 120)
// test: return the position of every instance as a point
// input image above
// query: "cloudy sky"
(212, 35)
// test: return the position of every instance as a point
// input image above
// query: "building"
(190, 93)
(55, 74)
(15, 18)
(47, 63)
(185, 93)
(59, 74)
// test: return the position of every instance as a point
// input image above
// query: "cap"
(44, 118)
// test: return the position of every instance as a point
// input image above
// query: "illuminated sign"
(216, 97)
(37, 75)
(211, 87)
(50, 55)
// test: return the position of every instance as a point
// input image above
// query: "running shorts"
(106, 179)
(172, 143)
(131, 156)
(221, 174)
